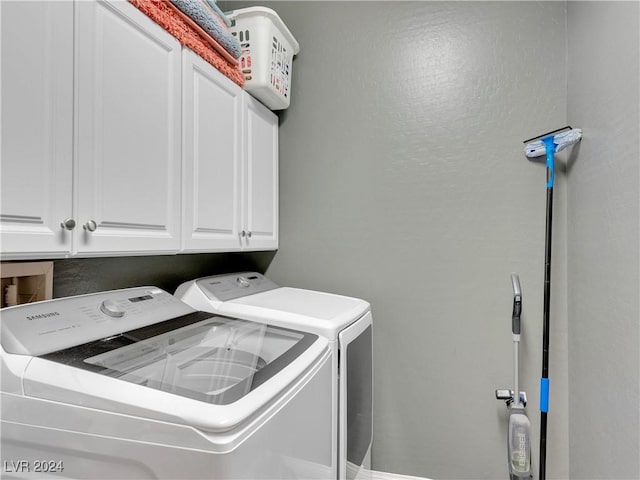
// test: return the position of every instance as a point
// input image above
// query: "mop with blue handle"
(548, 144)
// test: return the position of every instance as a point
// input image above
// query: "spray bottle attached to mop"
(519, 432)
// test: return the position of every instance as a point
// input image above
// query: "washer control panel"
(235, 285)
(45, 327)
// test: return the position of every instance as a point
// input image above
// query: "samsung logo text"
(43, 315)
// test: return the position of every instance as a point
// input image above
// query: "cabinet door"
(261, 177)
(211, 158)
(37, 127)
(128, 124)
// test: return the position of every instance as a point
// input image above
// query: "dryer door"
(355, 398)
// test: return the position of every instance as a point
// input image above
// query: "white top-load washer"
(345, 321)
(134, 383)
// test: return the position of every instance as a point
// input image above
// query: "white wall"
(603, 239)
(403, 181)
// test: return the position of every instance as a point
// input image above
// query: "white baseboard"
(392, 476)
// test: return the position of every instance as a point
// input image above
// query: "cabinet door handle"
(249, 234)
(90, 226)
(68, 224)
(243, 233)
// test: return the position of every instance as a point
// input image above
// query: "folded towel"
(164, 15)
(208, 38)
(203, 15)
(220, 13)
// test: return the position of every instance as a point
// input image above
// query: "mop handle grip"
(550, 148)
(517, 304)
(544, 394)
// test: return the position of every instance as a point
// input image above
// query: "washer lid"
(318, 312)
(201, 356)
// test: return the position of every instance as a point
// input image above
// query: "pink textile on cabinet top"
(164, 14)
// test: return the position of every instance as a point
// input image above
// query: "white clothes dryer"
(345, 321)
(136, 384)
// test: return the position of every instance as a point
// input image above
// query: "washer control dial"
(243, 282)
(112, 309)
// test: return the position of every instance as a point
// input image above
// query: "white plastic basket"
(267, 54)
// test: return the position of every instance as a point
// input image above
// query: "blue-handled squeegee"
(548, 144)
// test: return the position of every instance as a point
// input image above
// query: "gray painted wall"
(603, 239)
(87, 275)
(403, 181)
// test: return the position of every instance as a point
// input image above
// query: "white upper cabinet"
(260, 210)
(37, 128)
(230, 155)
(115, 141)
(129, 129)
(212, 155)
